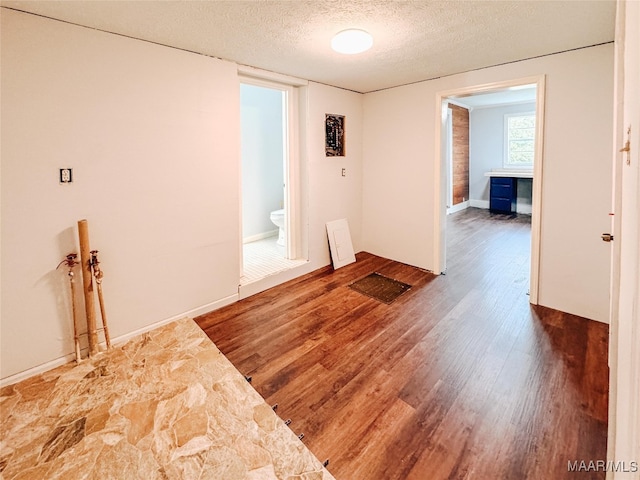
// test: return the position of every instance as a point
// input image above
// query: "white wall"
(397, 216)
(153, 136)
(332, 196)
(486, 152)
(262, 158)
(398, 195)
(147, 132)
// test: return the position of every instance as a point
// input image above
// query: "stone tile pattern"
(165, 405)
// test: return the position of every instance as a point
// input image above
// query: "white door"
(624, 358)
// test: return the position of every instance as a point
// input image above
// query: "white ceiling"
(413, 40)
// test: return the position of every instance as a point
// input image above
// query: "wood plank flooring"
(460, 378)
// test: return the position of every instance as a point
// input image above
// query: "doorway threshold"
(292, 269)
(265, 266)
(263, 258)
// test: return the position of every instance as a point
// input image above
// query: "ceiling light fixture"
(352, 41)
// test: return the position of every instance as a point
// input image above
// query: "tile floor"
(165, 405)
(263, 258)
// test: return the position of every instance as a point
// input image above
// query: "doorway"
(443, 167)
(269, 210)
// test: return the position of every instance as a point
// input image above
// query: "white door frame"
(291, 149)
(449, 154)
(292, 172)
(440, 188)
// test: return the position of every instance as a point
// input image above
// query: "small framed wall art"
(334, 136)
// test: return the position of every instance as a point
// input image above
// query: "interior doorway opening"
(269, 180)
(458, 186)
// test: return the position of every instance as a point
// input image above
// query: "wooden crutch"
(70, 262)
(87, 287)
(97, 273)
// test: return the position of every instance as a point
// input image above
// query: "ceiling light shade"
(352, 41)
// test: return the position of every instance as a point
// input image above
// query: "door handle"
(607, 237)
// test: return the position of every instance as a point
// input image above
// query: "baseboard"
(261, 236)
(209, 307)
(479, 204)
(18, 377)
(458, 207)
(524, 209)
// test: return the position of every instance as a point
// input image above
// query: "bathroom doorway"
(268, 209)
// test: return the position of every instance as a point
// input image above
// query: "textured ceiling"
(413, 40)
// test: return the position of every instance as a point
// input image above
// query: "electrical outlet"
(66, 175)
(344, 172)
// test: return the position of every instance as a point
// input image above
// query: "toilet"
(277, 217)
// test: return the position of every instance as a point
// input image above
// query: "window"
(519, 140)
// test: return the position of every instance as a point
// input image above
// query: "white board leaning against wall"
(340, 243)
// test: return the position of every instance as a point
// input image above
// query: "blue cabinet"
(502, 194)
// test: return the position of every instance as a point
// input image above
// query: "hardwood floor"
(460, 378)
